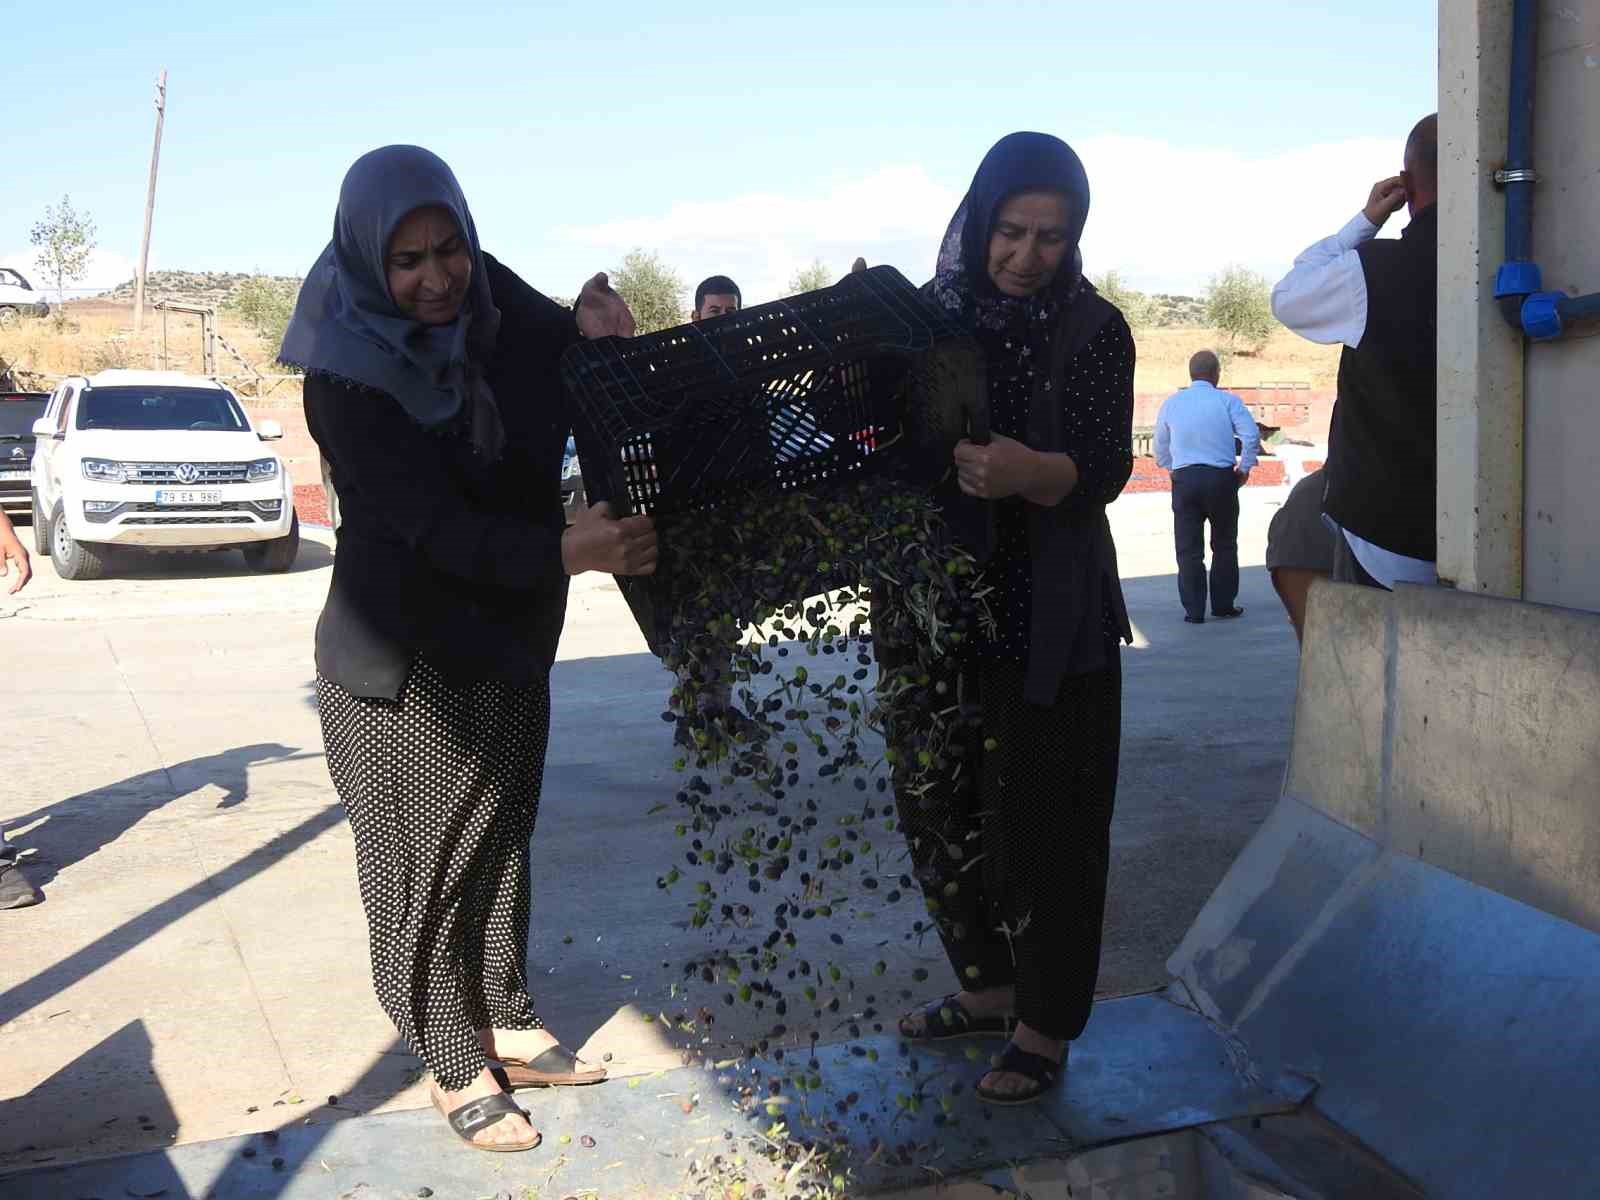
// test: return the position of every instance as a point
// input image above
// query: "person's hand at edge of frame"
(601, 312)
(12, 551)
(598, 540)
(1241, 477)
(1385, 199)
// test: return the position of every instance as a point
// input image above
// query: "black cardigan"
(442, 555)
(1075, 576)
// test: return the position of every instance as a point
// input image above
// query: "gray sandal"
(477, 1115)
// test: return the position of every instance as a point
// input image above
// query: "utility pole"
(149, 203)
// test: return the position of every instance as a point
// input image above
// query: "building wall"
(1561, 552)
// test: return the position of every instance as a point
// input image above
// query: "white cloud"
(1167, 216)
(761, 239)
(106, 271)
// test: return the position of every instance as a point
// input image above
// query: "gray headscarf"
(347, 325)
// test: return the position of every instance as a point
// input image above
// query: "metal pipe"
(1519, 284)
(1579, 308)
(1519, 276)
(1519, 174)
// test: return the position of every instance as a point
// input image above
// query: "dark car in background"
(18, 412)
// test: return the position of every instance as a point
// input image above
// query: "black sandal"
(951, 1021)
(556, 1067)
(1044, 1073)
(477, 1115)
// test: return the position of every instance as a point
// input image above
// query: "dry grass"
(98, 336)
(1164, 360)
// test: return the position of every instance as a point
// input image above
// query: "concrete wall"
(1416, 927)
(1480, 497)
(1458, 730)
(1562, 550)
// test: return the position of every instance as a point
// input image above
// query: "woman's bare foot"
(524, 1045)
(991, 1002)
(509, 1130)
(1009, 1083)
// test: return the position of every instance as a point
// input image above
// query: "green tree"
(65, 239)
(1137, 308)
(1239, 305)
(265, 303)
(811, 278)
(652, 289)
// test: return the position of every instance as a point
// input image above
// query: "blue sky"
(741, 138)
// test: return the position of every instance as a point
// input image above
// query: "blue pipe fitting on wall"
(1514, 283)
(1541, 316)
(1518, 284)
(1545, 315)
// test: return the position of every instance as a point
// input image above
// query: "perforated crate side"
(790, 394)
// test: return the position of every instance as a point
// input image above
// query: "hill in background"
(1170, 311)
(217, 288)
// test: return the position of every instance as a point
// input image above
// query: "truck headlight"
(104, 470)
(262, 468)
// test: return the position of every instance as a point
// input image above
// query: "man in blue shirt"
(1195, 434)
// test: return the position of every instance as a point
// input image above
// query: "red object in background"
(311, 503)
(1147, 477)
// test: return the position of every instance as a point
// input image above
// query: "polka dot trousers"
(442, 790)
(1013, 854)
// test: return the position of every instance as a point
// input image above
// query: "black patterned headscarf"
(1018, 162)
(347, 325)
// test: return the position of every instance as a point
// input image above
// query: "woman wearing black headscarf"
(1013, 854)
(433, 392)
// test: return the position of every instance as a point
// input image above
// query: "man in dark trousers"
(1195, 436)
(1376, 296)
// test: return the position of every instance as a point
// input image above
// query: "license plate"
(13, 474)
(189, 496)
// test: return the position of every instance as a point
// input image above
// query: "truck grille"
(186, 518)
(167, 472)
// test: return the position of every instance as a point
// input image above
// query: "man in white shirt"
(1377, 297)
(1194, 439)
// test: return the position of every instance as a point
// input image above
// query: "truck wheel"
(41, 524)
(73, 559)
(8, 316)
(278, 555)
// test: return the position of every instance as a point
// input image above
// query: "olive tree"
(65, 240)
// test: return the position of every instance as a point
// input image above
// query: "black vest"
(1381, 450)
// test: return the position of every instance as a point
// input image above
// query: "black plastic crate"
(808, 392)
(864, 374)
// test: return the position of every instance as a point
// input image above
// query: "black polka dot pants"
(442, 790)
(1013, 857)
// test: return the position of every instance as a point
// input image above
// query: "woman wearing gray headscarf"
(432, 390)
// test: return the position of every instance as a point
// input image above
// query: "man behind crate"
(715, 297)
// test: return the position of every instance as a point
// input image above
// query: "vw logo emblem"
(16, 452)
(187, 472)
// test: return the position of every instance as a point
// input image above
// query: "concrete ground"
(199, 968)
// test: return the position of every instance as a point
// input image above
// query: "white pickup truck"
(159, 461)
(18, 299)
